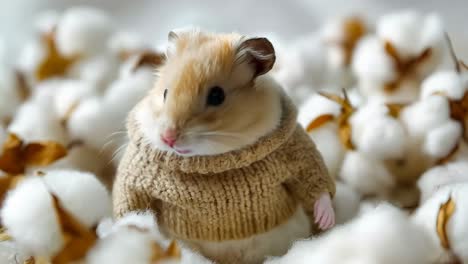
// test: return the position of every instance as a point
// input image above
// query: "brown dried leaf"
(43, 153)
(449, 156)
(463, 64)
(394, 109)
(54, 63)
(11, 157)
(345, 136)
(78, 238)
(23, 86)
(172, 252)
(354, 29)
(446, 211)
(149, 59)
(345, 104)
(319, 121)
(393, 53)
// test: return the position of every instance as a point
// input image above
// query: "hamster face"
(209, 97)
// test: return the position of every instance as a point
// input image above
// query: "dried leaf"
(463, 65)
(446, 211)
(78, 238)
(43, 153)
(149, 59)
(172, 252)
(319, 121)
(345, 136)
(394, 109)
(354, 29)
(11, 157)
(393, 53)
(36, 260)
(453, 53)
(54, 63)
(449, 156)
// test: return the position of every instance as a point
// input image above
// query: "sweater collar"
(225, 161)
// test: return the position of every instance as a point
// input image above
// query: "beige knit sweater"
(228, 196)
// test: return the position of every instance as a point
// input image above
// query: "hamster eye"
(215, 96)
(165, 94)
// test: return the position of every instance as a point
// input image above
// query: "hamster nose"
(169, 137)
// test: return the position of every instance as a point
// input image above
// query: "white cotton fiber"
(36, 120)
(329, 144)
(123, 247)
(83, 31)
(144, 220)
(442, 140)
(442, 175)
(346, 203)
(9, 93)
(383, 138)
(447, 82)
(31, 55)
(10, 253)
(425, 115)
(99, 70)
(69, 93)
(126, 42)
(371, 62)
(30, 218)
(366, 174)
(315, 106)
(384, 235)
(410, 32)
(456, 228)
(81, 194)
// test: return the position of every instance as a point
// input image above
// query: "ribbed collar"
(222, 162)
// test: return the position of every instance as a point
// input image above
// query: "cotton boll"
(69, 93)
(125, 246)
(83, 31)
(9, 93)
(99, 70)
(123, 42)
(425, 115)
(383, 138)
(315, 106)
(329, 145)
(441, 141)
(346, 203)
(30, 218)
(31, 55)
(440, 176)
(370, 111)
(366, 174)
(81, 194)
(371, 62)
(36, 120)
(456, 229)
(448, 82)
(375, 237)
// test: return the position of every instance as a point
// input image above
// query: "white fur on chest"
(254, 249)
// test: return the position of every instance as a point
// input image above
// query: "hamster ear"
(259, 53)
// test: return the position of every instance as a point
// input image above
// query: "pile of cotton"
(406, 47)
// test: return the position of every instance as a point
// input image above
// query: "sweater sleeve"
(129, 193)
(310, 177)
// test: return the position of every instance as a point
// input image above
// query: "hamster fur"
(196, 62)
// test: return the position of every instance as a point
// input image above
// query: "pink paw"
(324, 212)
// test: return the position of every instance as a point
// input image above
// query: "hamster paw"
(323, 212)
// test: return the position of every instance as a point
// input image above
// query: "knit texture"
(228, 196)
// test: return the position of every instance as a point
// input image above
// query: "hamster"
(213, 96)
(198, 75)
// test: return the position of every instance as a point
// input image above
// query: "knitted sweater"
(228, 196)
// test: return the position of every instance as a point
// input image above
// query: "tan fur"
(199, 62)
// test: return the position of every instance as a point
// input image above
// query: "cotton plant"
(406, 47)
(443, 218)
(382, 235)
